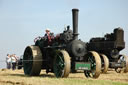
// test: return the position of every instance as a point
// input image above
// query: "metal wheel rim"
(95, 65)
(27, 64)
(106, 63)
(32, 61)
(61, 64)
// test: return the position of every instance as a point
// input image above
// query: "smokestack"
(75, 23)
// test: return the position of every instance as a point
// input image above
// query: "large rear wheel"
(32, 61)
(62, 64)
(94, 58)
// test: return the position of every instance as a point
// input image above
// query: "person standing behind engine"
(13, 60)
(8, 61)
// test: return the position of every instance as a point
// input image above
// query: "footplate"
(82, 66)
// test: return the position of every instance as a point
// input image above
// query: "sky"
(23, 20)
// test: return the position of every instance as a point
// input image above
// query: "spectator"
(8, 61)
(17, 58)
(13, 60)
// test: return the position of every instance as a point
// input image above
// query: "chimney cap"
(75, 9)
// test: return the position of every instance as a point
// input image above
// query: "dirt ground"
(17, 77)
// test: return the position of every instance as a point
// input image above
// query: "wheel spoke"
(60, 58)
(90, 60)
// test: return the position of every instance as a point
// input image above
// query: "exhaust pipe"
(75, 23)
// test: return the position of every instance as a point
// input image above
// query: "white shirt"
(8, 59)
(13, 59)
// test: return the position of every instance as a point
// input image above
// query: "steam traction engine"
(109, 47)
(64, 54)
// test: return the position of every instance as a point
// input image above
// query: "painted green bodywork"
(82, 66)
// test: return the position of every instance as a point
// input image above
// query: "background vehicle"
(109, 47)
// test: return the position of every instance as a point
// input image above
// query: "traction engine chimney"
(75, 23)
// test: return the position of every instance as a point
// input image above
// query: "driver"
(49, 35)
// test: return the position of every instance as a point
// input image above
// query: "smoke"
(73, 3)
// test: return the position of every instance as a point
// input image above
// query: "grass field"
(17, 77)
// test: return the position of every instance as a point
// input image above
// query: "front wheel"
(94, 58)
(62, 64)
